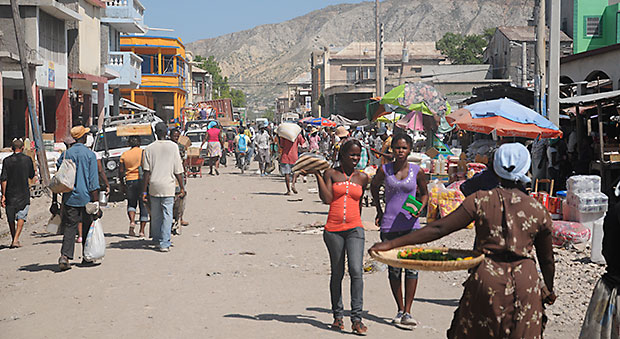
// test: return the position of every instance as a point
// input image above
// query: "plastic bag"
(64, 179)
(53, 225)
(566, 233)
(434, 190)
(95, 242)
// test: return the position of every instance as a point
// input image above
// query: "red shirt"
(289, 149)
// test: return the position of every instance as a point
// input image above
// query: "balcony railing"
(126, 15)
(129, 66)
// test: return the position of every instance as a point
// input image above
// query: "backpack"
(242, 146)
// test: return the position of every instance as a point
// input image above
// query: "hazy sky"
(199, 19)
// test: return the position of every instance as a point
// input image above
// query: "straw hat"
(341, 132)
(79, 131)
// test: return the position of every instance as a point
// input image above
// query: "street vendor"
(502, 297)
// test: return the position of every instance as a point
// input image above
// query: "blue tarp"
(511, 110)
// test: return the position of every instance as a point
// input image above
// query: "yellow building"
(164, 72)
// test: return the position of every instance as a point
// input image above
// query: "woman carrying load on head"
(502, 296)
(343, 188)
(401, 179)
(213, 139)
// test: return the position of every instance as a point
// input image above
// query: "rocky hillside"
(260, 60)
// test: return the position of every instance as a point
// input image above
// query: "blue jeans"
(395, 273)
(161, 220)
(350, 242)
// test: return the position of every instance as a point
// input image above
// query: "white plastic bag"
(64, 179)
(53, 225)
(95, 242)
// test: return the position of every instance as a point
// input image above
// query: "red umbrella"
(502, 126)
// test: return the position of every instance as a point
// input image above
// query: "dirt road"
(252, 264)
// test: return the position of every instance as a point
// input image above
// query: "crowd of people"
(502, 297)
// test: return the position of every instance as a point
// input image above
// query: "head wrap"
(512, 161)
(212, 124)
(617, 190)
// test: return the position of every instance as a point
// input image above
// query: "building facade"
(299, 94)
(505, 53)
(164, 71)
(343, 78)
(45, 26)
(591, 24)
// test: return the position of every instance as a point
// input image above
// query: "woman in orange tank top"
(342, 188)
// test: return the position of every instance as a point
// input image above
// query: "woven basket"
(391, 258)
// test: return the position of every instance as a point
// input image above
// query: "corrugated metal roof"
(588, 98)
(417, 50)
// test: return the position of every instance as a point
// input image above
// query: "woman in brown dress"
(502, 296)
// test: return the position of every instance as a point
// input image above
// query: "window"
(308, 102)
(593, 26)
(351, 75)
(52, 38)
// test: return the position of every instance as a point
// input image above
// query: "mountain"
(262, 59)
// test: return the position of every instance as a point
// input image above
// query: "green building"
(591, 24)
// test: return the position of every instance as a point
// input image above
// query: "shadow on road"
(268, 193)
(133, 245)
(284, 318)
(55, 241)
(442, 302)
(365, 315)
(38, 268)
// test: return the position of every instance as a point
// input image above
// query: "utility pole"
(28, 83)
(405, 60)
(554, 63)
(541, 51)
(379, 52)
(524, 64)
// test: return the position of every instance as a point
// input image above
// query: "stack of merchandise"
(586, 204)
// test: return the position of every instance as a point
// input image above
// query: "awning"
(590, 98)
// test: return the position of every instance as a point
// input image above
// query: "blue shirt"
(86, 176)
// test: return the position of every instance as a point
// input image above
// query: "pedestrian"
(401, 180)
(85, 191)
(262, 143)
(343, 188)
(288, 157)
(17, 169)
(313, 141)
(162, 165)
(242, 142)
(213, 139)
(131, 180)
(386, 142)
(602, 319)
(502, 296)
(179, 209)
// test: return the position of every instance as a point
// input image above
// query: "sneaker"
(408, 320)
(167, 249)
(397, 318)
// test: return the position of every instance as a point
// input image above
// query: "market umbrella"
(418, 96)
(306, 119)
(321, 122)
(412, 121)
(502, 126)
(375, 110)
(511, 110)
(390, 118)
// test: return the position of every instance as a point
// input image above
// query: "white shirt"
(263, 140)
(163, 161)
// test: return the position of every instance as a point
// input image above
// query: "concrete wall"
(578, 70)
(83, 38)
(104, 39)
(9, 43)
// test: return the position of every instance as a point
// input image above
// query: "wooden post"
(34, 121)
(101, 94)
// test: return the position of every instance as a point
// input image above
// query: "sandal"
(142, 237)
(132, 232)
(359, 328)
(338, 324)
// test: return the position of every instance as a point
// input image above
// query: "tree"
(221, 89)
(269, 114)
(464, 49)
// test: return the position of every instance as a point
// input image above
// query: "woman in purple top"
(400, 179)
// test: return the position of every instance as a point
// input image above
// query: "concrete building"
(122, 67)
(299, 93)
(164, 74)
(591, 71)
(591, 24)
(343, 78)
(505, 54)
(200, 83)
(45, 26)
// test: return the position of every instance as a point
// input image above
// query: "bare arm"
(180, 180)
(325, 186)
(3, 193)
(423, 188)
(377, 180)
(145, 184)
(451, 223)
(102, 175)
